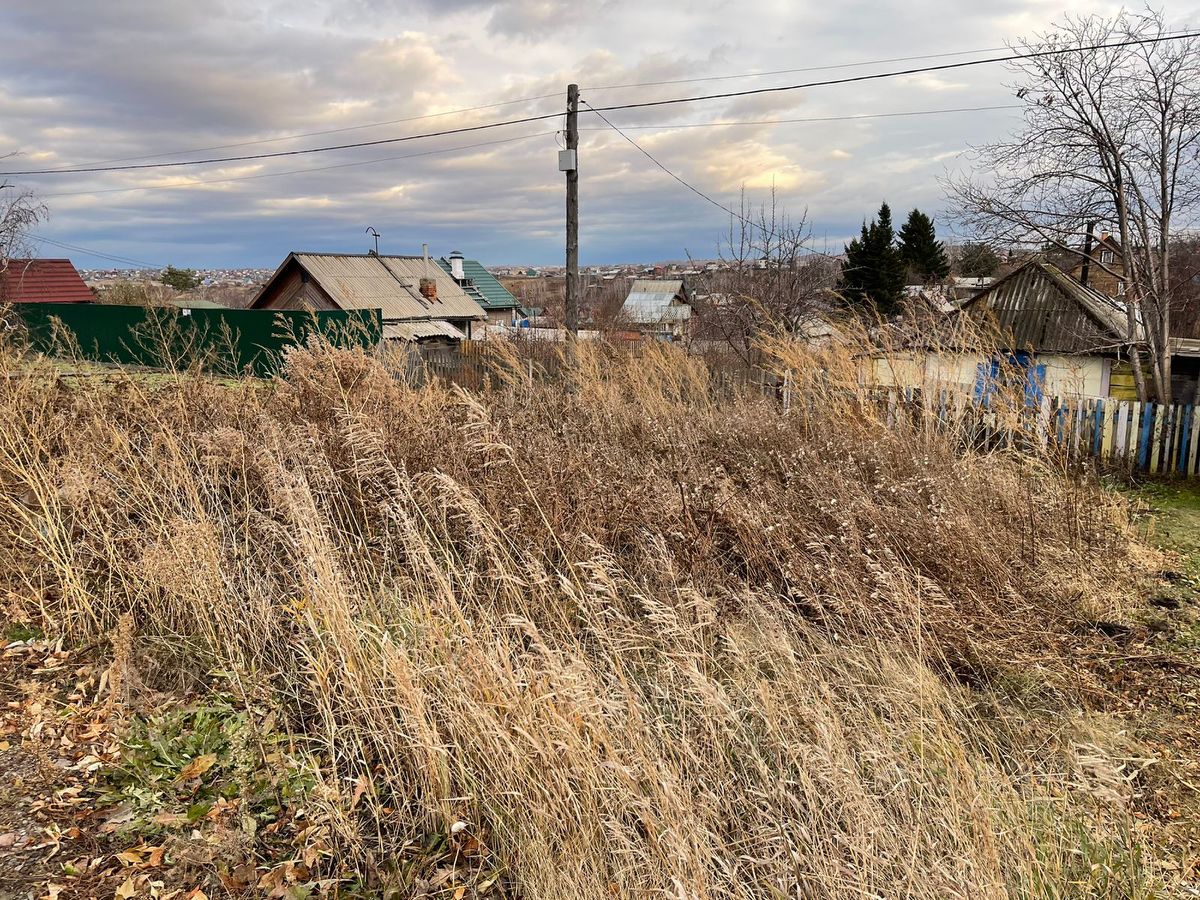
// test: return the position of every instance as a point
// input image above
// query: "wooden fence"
(1155, 438)
(1150, 438)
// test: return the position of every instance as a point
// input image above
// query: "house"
(42, 281)
(1069, 340)
(964, 288)
(660, 309)
(418, 301)
(1102, 267)
(1069, 337)
(501, 307)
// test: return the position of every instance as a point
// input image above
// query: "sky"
(164, 80)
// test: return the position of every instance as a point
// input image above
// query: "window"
(1120, 289)
(1106, 257)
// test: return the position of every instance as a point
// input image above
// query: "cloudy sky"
(139, 81)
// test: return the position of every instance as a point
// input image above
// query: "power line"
(365, 162)
(304, 134)
(643, 105)
(853, 65)
(875, 76)
(849, 118)
(140, 263)
(695, 190)
(282, 153)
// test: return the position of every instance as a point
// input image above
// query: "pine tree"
(873, 272)
(978, 261)
(920, 249)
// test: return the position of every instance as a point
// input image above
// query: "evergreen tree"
(920, 249)
(180, 279)
(873, 272)
(978, 261)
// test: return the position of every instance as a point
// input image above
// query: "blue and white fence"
(1150, 438)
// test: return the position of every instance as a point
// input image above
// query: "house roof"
(390, 284)
(42, 281)
(656, 286)
(482, 286)
(1040, 307)
(656, 303)
(422, 331)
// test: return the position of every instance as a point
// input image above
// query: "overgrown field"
(605, 635)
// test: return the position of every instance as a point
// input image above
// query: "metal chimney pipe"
(425, 254)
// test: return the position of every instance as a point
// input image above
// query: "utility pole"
(569, 162)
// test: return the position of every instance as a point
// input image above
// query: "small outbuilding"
(658, 308)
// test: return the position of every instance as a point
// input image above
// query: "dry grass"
(643, 641)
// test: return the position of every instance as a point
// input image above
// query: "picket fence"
(1155, 438)
(1150, 438)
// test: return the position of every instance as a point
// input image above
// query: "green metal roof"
(489, 293)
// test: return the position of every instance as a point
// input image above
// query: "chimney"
(429, 289)
(1087, 253)
(456, 266)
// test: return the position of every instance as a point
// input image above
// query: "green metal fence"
(226, 341)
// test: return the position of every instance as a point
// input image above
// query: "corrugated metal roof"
(452, 301)
(655, 286)
(487, 291)
(1041, 308)
(388, 283)
(42, 281)
(654, 309)
(418, 331)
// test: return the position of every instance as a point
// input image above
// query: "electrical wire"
(348, 165)
(642, 105)
(695, 190)
(876, 76)
(304, 134)
(825, 68)
(140, 263)
(853, 65)
(282, 153)
(849, 118)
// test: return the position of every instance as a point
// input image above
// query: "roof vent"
(456, 266)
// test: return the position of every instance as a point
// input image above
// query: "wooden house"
(417, 300)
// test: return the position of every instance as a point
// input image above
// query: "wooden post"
(573, 211)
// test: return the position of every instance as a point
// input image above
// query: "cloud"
(127, 79)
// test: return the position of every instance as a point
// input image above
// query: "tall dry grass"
(646, 639)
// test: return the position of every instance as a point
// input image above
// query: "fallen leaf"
(126, 890)
(197, 767)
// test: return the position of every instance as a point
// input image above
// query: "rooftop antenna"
(371, 231)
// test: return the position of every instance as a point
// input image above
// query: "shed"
(42, 281)
(407, 290)
(658, 308)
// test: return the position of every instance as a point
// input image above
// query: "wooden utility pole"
(571, 166)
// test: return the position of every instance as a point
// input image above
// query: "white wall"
(1066, 376)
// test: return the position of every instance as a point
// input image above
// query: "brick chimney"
(429, 289)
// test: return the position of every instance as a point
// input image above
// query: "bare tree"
(20, 210)
(769, 280)
(1110, 135)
